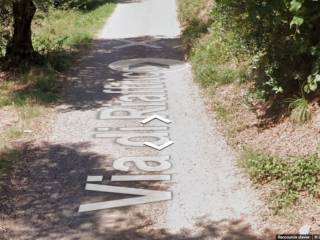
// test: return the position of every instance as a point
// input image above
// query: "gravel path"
(134, 69)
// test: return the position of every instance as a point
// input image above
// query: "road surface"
(103, 174)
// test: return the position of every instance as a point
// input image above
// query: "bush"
(283, 34)
(280, 37)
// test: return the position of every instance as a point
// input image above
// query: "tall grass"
(217, 55)
(65, 29)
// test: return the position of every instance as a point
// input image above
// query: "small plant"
(292, 176)
(261, 167)
(300, 112)
(302, 175)
(283, 201)
(222, 112)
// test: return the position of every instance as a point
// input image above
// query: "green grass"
(194, 25)
(68, 28)
(300, 111)
(217, 56)
(291, 176)
(38, 86)
(215, 61)
(58, 32)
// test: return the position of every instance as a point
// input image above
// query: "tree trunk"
(20, 47)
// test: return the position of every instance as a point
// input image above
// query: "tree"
(20, 46)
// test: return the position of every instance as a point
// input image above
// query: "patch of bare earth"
(282, 139)
(14, 179)
(8, 117)
(240, 122)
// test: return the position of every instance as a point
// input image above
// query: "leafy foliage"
(5, 20)
(283, 34)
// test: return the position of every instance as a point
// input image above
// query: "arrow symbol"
(159, 148)
(154, 64)
(129, 43)
(151, 118)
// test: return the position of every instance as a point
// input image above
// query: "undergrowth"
(216, 54)
(293, 176)
(59, 32)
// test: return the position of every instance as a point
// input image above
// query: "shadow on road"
(86, 79)
(49, 188)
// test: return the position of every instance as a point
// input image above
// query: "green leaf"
(298, 21)
(295, 5)
(317, 78)
(313, 86)
(306, 88)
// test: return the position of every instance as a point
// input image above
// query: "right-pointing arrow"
(159, 148)
(162, 119)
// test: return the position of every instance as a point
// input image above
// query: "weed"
(64, 29)
(261, 167)
(193, 32)
(222, 112)
(283, 200)
(292, 176)
(302, 175)
(215, 60)
(300, 112)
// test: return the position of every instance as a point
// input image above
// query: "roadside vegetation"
(30, 84)
(259, 62)
(291, 175)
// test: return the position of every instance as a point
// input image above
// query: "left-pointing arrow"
(162, 119)
(159, 148)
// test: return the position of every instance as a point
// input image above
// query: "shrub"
(285, 36)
